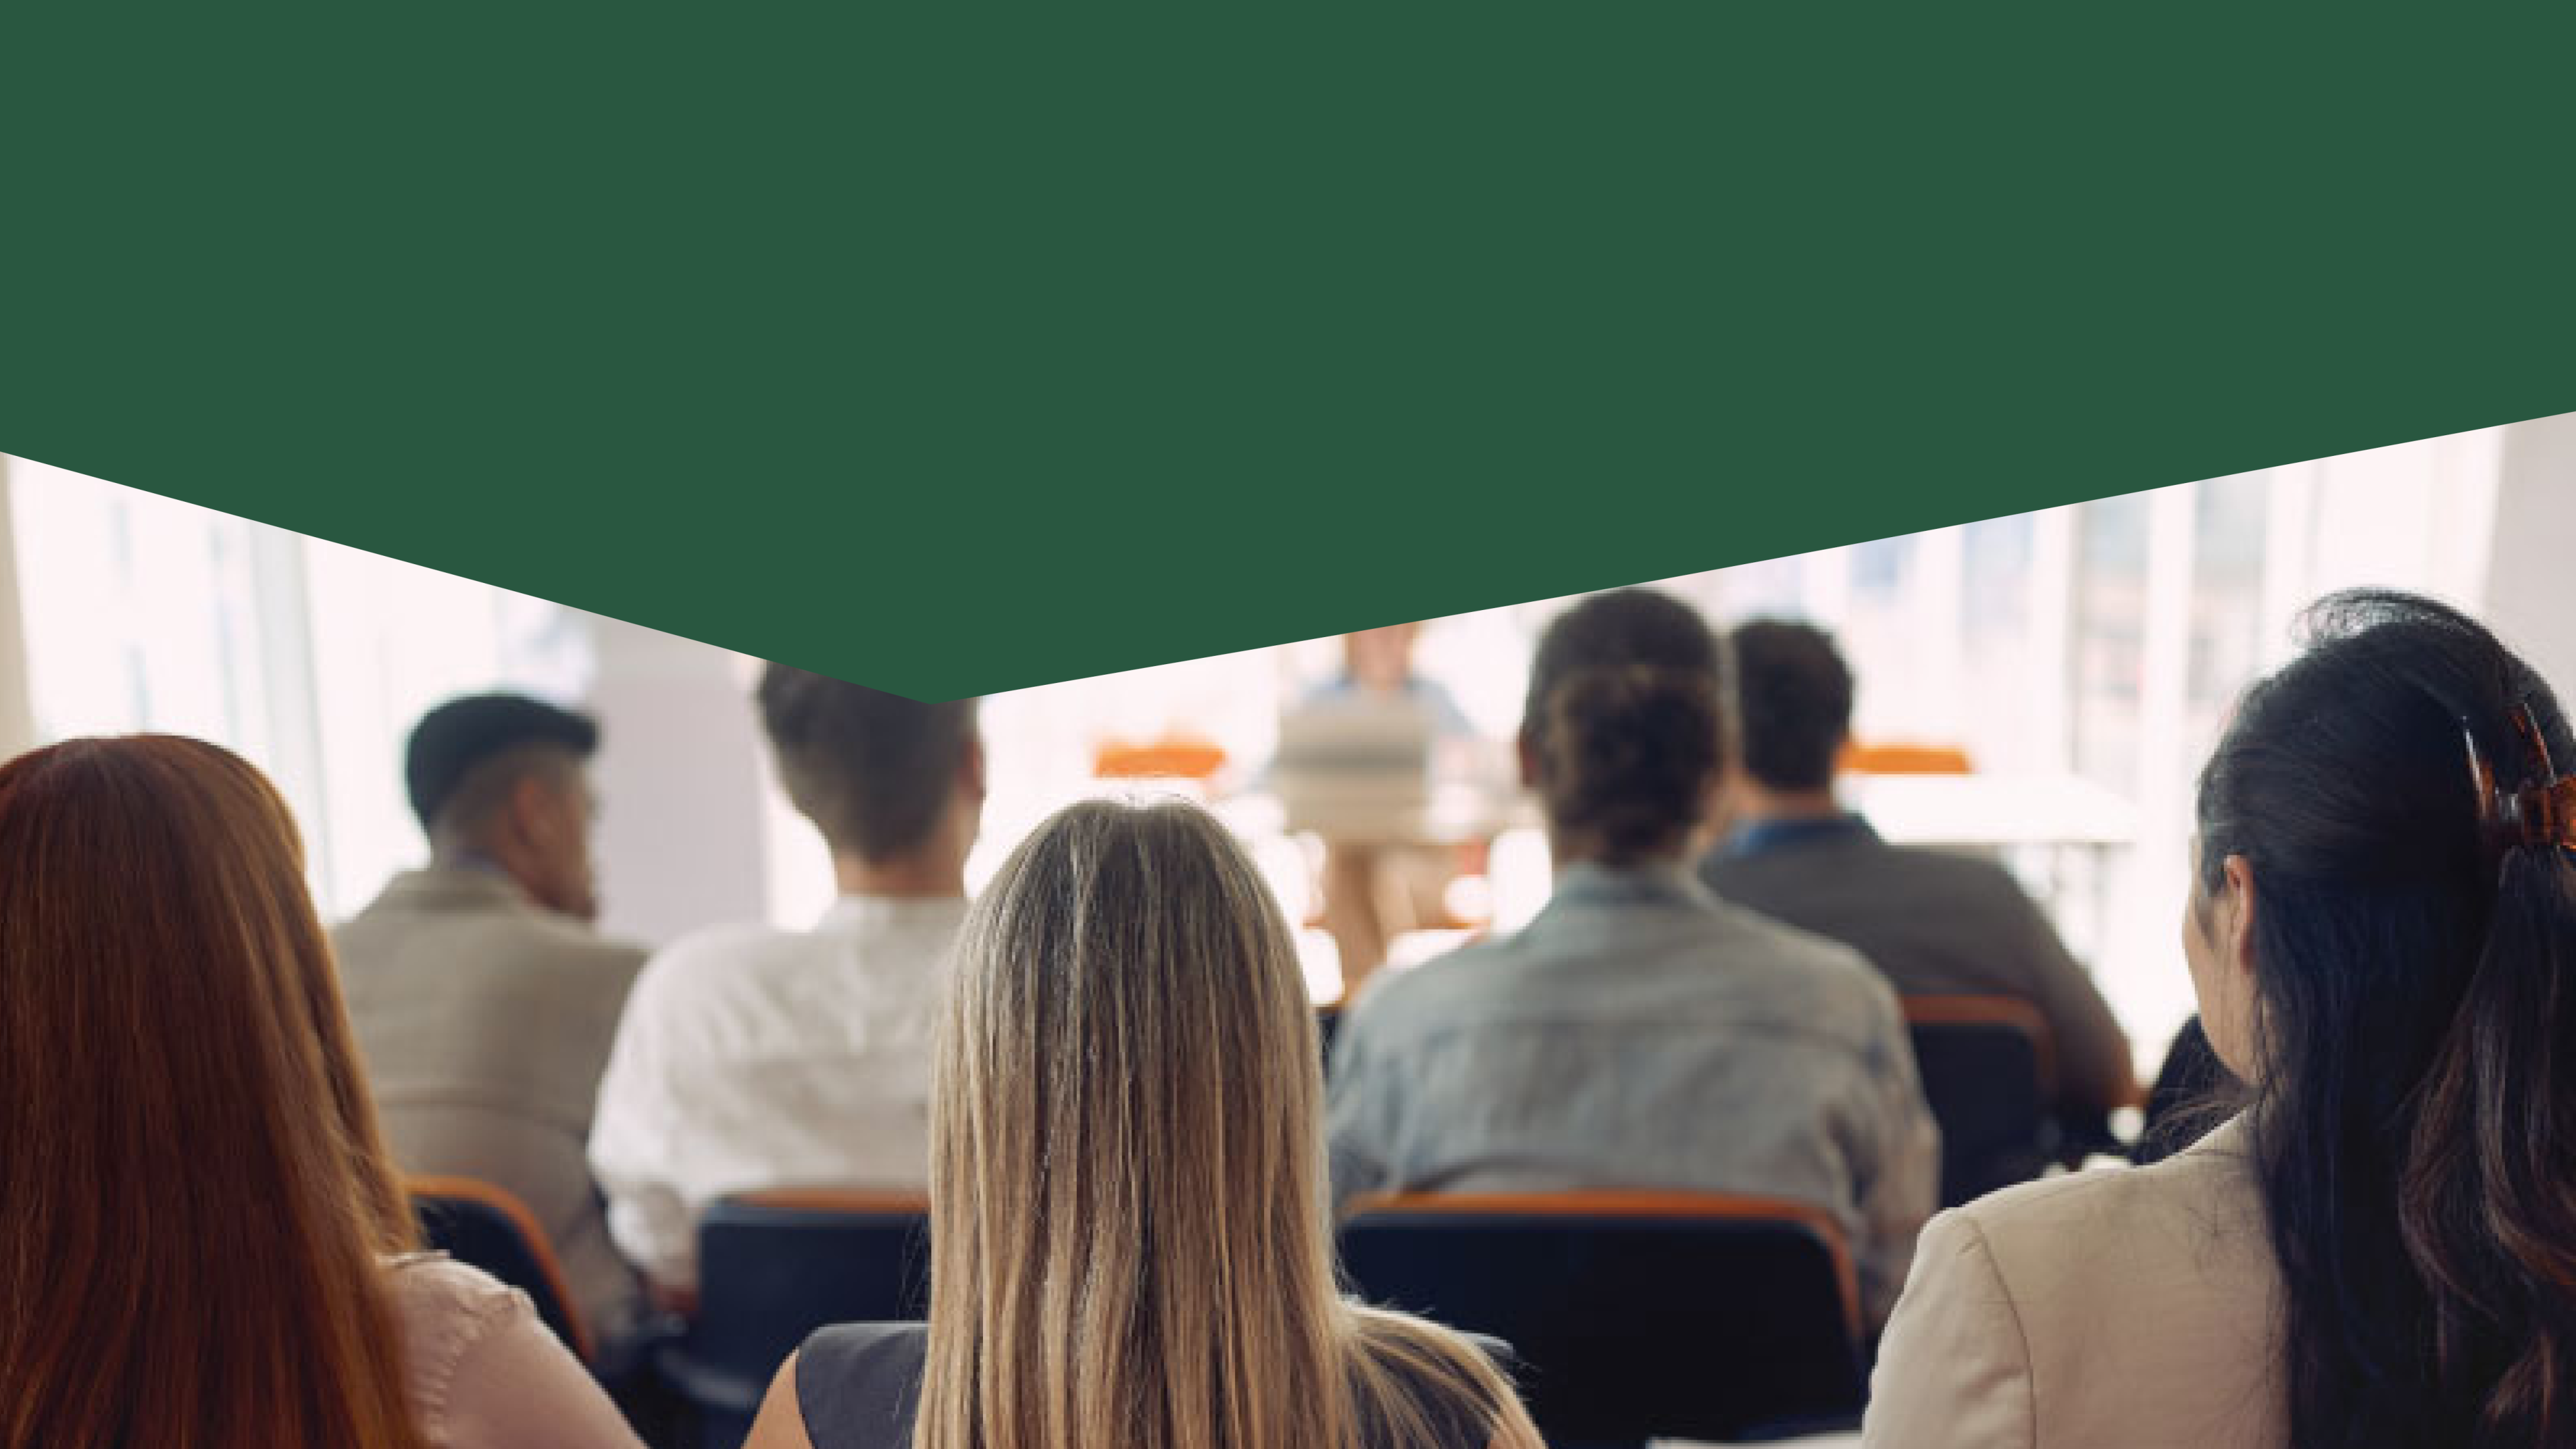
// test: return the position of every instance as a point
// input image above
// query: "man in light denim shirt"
(1640, 1032)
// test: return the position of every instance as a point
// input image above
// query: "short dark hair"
(872, 770)
(1794, 695)
(1627, 717)
(457, 739)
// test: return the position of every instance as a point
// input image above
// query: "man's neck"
(474, 862)
(1761, 805)
(1565, 853)
(930, 876)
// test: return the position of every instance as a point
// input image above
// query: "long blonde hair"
(1130, 1238)
(199, 1204)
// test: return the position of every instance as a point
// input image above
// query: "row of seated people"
(211, 1246)
(1126, 1127)
(1583, 1051)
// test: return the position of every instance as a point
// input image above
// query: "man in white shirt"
(754, 1058)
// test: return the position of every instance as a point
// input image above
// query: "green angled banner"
(1194, 335)
(1149, 726)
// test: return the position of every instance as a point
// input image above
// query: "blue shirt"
(1643, 1033)
(1761, 837)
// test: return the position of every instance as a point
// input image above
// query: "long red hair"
(197, 1202)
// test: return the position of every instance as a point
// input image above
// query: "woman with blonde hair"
(1128, 1217)
(206, 1246)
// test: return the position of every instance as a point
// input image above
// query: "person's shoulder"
(2116, 1219)
(571, 942)
(446, 1306)
(858, 1373)
(713, 959)
(1961, 880)
(865, 1347)
(367, 917)
(1822, 964)
(1397, 994)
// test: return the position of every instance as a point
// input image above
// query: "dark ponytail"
(1627, 724)
(1627, 759)
(2414, 1122)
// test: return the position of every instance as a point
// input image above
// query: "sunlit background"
(2082, 658)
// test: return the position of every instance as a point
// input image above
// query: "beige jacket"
(2111, 1308)
(484, 1021)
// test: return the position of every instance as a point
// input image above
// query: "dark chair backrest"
(485, 1225)
(2194, 1092)
(1328, 1028)
(1990, 1076)
(1633, 1314)
(775, 1266)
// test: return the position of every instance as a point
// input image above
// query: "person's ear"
(531, 807)
(2236, 920)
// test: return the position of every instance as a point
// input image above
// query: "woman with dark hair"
(1640, 1032)
(206, 1246)
(2381, 1248)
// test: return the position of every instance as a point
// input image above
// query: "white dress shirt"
(754, 1058)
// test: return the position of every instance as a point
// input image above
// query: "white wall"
(17, 714)
(2530, 594)
(681, 780)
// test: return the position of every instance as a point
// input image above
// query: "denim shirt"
(1643, 1033)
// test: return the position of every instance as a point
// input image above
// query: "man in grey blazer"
(484, 1002)
(1933, 923)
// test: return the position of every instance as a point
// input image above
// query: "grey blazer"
(484, 1021)
(1934, 923)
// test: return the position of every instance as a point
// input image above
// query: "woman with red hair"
(207, 1247)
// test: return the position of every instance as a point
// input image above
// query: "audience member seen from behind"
(755, 1058)
(1127, 1207)
(483, 1000)
(1934, 923)
(208, 1246)
(1640, 1032)
(2381, 1248)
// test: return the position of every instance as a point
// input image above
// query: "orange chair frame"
(2009, 1011)
(540, 1246)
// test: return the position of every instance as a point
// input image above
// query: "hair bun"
(1629, 754)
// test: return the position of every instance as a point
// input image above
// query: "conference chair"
(1633, 1315)
(487, 1226)
(1989, 1073)
(775, 1266)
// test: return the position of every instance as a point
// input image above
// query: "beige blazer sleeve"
(1953, 1369)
